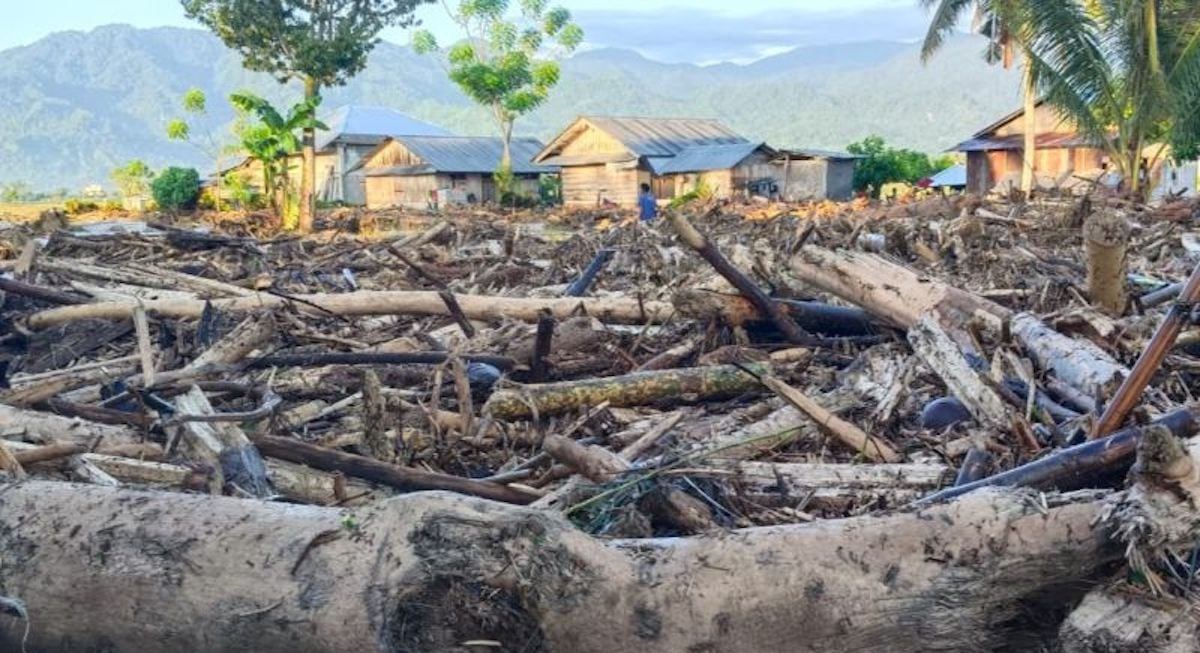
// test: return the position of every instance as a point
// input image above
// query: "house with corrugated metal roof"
(353, 131)
(424, 171)
(605, 160)
(995, 153)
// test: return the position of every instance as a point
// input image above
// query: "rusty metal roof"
(1017, 142)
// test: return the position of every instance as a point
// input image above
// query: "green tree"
(176, 188)
(14, 191)
(1128, 73)
(880, 164)
(133, 179)
(195, 106)
(318, 42)
(270, 138)
(1005, 23)
(507, 64)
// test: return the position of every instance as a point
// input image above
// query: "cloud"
(689, 34)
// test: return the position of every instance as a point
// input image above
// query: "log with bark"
(436, 572)
(900, 296)
(634, 389)
(376, 302)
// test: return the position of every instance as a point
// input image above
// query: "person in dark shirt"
(647, 205)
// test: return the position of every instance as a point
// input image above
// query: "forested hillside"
(77, 104)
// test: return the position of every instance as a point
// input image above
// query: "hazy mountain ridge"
(78, 104)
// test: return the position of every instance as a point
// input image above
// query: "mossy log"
(634, 389)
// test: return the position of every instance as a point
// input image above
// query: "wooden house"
(607, 159)
(425, 171)
(353, 132)
(995, 153)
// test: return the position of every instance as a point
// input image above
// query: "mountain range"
(78, 104)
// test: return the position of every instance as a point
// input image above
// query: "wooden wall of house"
(410, 191)
(1049, 121)
(417, 191)
(979, 174)
(1054, 165)
(590, 140)
(719, 182)
(590, 185)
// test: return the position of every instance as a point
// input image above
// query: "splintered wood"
(814, 368)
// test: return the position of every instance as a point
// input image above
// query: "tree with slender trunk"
(316, 42)
(271, 139)
(506, 64)
(1001, 22)
(1128, 73)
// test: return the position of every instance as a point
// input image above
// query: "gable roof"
(651, 138)
(360, 125)
(665, 136)
(995, 126)
(460, 155)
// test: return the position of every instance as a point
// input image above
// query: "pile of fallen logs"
(942, 425)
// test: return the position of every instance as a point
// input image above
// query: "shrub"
(176, 189)
(76, 207)
(113, 206)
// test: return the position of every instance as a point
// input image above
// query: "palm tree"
(1128, 73)
(1002, 22)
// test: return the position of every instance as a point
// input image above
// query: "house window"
(458, 181)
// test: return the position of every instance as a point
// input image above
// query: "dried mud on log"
(735, 429)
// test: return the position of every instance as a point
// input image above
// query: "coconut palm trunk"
(308, 171)
(1029, 149)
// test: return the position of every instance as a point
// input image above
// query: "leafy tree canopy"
(133, 179)
(881, 164)
(326, 40)
(176, 188)
(507, 62)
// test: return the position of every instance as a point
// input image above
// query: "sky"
(693, 31)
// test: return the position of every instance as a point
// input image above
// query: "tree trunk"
(1106, 235)
(1029, 150)
(432, 571)
(384, 302)
(634, 389)
(900, 296)
(308, 174)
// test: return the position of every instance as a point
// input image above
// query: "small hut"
(424, 171)
(607, 159)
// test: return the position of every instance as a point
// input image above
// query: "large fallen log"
(376, 302)
(900, 296)
(634, 389)
(48, 428)
(432, 572)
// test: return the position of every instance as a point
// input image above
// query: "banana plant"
(271, 139)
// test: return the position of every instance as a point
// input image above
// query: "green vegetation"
(881, 165)
(1008, 26)
(14, 191)
(507, 65)
(318, 42)
(133, 179)
(1128, 73)
(176, 189)
(206, 141)
(271, 139)
(77, 207)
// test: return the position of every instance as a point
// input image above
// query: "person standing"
(647, 205)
